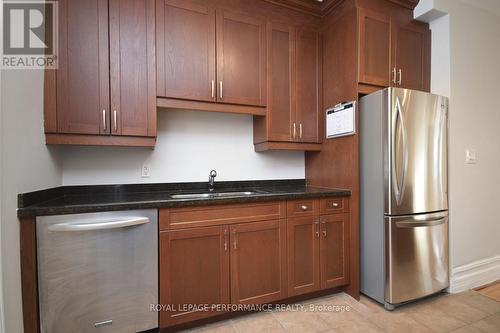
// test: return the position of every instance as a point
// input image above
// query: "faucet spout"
(211, 180)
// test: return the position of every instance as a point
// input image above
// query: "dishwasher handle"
(100, 225)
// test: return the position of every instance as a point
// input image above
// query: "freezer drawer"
(416, 256)
(98, 272)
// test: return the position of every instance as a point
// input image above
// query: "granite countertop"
(96, 198)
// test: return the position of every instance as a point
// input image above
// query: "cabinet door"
(258, 262)
(374, 47)
(412, 45)
(241, 59)
(185, 41)
(280, 81)
(303, 255)
(83, 76)
(334, 250)
(132, 67)
(194, 269)
(307, 88)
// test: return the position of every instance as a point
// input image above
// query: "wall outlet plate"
(146, 171)
(470, 156)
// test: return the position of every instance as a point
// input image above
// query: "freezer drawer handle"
(428, 223)
(88, 226)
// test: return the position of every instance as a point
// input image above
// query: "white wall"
(190, 144)
(26, 165)
(466, 67)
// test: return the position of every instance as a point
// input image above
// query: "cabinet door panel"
(307, 86)
(374, 47)
(303, 255)
(258, 262)
(83, 74)
(280, 81)
(194, 269)
(241, 59)
(334, 247)
(132, 67)
(412, 50)
(186, 49)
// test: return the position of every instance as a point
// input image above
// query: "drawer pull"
(335, 205)
(303, 207)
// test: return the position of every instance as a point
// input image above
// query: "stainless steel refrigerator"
(404, 195)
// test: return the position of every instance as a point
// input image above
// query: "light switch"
(146, 171)
(470, 157)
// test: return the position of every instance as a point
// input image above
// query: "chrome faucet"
(211, 180)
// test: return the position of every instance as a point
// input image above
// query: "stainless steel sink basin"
(215, 195)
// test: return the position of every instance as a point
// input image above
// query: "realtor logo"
(30, 35)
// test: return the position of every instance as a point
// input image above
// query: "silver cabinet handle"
(316, 227)
(303, 207)
(235, 241)
(300, 130)
(335, 205)
(213, 88)
(400, 73)
(99, 225)
(324, 229)
(220, 92)
(225, 239)
(394, 75)
(114, 121)
(103, 120)
(294, 130)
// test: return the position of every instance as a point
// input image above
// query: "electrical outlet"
(146, 171)
(470, 157)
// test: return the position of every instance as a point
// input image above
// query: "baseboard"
(475, 274)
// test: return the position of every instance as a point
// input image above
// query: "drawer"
(178, 218)
(302, 207)
(333, 205)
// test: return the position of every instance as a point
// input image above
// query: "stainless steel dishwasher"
(98, 272)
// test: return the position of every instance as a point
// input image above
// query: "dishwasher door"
(417, 256)
(98, 272)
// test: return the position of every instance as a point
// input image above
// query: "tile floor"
(491, 291)
(461, 313)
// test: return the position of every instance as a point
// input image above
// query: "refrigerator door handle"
(399, 184)
(428, 223)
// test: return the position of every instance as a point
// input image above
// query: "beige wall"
(26, 165)
(466, 67)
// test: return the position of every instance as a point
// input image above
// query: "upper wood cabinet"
(241, 59)
(185, 44)
(392, 52)
(104, 90)
(374, 47)
(293, 90)
(188, 67)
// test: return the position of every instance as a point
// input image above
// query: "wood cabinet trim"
(171, 103)
(269, 145)
(99, 140)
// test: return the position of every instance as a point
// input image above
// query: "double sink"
(207, 195)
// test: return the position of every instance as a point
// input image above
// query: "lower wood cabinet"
(258, 262)
(317, 253)
(249, 259)
(194, 269)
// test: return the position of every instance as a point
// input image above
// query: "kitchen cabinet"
(392, 51)
(293, 91)
(194, 270)
(303, 255)
(318, 243)
(241, 59)
(210, 55)
(185, 40)
(258, 262)
(103, 92)
(334, 245)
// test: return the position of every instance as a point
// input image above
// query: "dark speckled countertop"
(96, 198)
